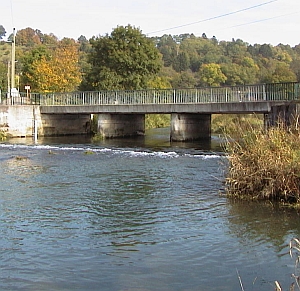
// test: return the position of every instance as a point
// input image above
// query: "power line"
(215, 17)
(261, 20)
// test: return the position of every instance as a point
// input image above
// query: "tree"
(28, 37)
(2, 32)
(185, 79)
(53, 70)
(211, 75)
(30, 60)
(182, 62)
(159, 82)
(281, 73)
(126, 59)
(3, 77)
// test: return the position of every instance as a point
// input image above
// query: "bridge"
(122, 113)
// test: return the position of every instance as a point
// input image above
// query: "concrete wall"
(17, 121)
(188, 127)
(121, 125)
(21, 121)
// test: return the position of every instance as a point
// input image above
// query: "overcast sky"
(253, 21)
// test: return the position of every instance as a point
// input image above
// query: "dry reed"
(264, 164)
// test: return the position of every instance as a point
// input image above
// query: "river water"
(134, 214)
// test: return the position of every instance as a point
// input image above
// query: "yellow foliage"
(58, 73)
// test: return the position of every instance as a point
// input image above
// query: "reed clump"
(264, 164)
(3, 135)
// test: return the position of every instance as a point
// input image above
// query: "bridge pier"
(282, 115)
(121, 125)
(188, 127)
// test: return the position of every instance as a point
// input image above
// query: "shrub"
(264, 164)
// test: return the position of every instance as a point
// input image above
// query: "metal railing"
(21, 98)
(246, 93)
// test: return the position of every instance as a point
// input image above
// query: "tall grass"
(226, 123)
(264, 164)
(3, 135)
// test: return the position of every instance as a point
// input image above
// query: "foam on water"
(121, 151)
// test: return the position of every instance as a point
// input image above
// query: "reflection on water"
(258, 221)
(134, 214)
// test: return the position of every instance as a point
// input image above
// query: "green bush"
(157, 120)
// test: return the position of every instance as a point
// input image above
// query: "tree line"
(127, 59)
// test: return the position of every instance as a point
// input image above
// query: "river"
(134, 214)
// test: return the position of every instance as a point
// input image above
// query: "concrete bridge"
(122, 113)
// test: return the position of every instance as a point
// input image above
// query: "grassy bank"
(264, 164)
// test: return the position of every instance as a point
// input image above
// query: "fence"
(246, 93)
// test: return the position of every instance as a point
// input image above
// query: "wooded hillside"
(48, 64)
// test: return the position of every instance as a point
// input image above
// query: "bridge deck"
(209, 108)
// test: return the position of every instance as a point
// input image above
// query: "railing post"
(174, 96)
(264, 91)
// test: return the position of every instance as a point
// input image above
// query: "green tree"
(126, 59)
(185, 79)
(281, 73)
(168, 48)
(2, 32)
(3, 77)
(182, 62)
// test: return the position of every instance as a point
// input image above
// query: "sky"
(253, 21)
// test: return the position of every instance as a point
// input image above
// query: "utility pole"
(13, 61)
(8, 79)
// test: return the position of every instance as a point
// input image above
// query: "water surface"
(134, 214)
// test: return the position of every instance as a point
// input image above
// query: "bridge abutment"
(121, 125)
(188, 127)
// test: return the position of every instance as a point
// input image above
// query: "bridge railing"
(244, 93)
(20, 98)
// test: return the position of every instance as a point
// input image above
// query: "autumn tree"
(28, 37)
(126, 59)
(53, 70)
(211, 75)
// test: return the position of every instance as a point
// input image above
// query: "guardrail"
(246, 93)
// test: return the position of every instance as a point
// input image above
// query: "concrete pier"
(64, 124)
(188, 127)
(284, 114)
(121, 125)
